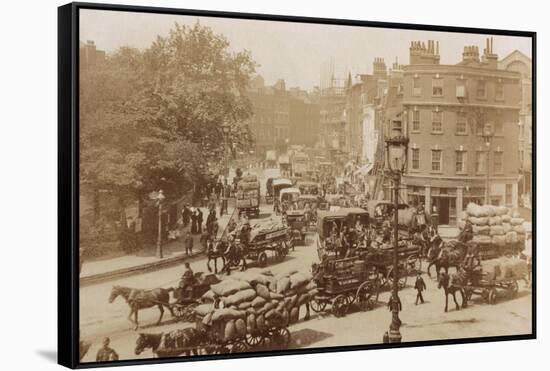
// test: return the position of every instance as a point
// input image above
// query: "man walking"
(199, 220)
(420, 286)
(106, 354)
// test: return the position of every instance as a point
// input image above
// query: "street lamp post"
(396, 152)
(159, 197)
(487, 136)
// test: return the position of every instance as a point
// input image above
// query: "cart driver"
(187, 280)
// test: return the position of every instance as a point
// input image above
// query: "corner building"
(447, 109)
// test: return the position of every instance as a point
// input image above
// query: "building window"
(416, 121)
(437, 126)
(521, 158)
(508, 194)
(499, 125)
(416, 89)
(481, 91)
(480, 162)
(479, 128)
(437, 87)
(460, 165)
(437, 159)
(415, 155)
(497, 162)
(461, 128)
(499, 91)
(460, 90)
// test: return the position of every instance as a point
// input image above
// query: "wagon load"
(504, 268)
(497, 225)
(255, 301)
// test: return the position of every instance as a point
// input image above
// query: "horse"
(213, 254)
(451, 284)
(141, 299)
(445, 255)
(83, 347)
(186, 341)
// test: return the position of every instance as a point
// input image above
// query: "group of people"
(344, 241)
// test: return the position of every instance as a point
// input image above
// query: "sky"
(295, 52)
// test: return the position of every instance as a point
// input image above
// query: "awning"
(364, 170)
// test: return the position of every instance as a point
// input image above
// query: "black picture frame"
(68, 178)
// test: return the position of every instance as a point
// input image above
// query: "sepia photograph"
(256, 186)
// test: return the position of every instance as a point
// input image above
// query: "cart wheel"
(339, 306)
(514, 288)
(281, 337)
(366, 295)
(179, 311)
(492, 296)
(317, 305)
(254, 340)
(414, 264)
(239, 347)
(262, 259)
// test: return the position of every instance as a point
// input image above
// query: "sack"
(489, 210)
(283, 284)
(507, 227)
(481, 239)
(262, 291)
(240, 325)
(501, 210)
(479, 221)
(511, 237)
(499, 240)
(516, 221)
(244, 305)
(274, 295)
(227, 314)
(506, 218)
(251, 323)
(299, 279)
(229, 287)
(475, 210)
(258, 302)
(208, 297)
(230, 331)
(481, 230)
(519, 229)
(260, 323)
(239, 297)
(304, 298)
(496, 230)
(461, 224)
(495, 220)
(204, 309)
(207, 320)
(294, 314)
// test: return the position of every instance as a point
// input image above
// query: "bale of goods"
(283, 285)
(516, 221)
(229, 287)
(461, 224)
(515, 214)
(518, 229)
(504, 268)
(208, 297)
(498, 240)
(495, 220)
(511, 237)
(247, 186)
(496, 230)
(294, 314)
(481, 229)
(262, 291)
(299, 279)
(507, 227)
(204, 309)
(475, 210)
(258, 302)
(226, 314)
(506, 218)
(251, 323)
(239, 297)
(479, 220)
(481, 239)
(230, 332)
(240, 326)
(501, 210)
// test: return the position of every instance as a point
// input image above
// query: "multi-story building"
(461, 121)
(281, 116)
(89, 55)
(519, 62)
(332, 103)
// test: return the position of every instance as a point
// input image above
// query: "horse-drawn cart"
(342, 283)
(188, 295)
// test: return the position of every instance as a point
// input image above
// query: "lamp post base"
(394, 336)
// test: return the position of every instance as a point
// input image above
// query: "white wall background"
(28, 181)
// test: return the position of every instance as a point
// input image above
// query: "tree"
(153, 119)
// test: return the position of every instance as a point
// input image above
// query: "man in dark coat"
(420, 286)
(106, 354)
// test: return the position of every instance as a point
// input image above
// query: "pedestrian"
(188, 241)
(199, 220)
(194, 216)
(106, 354)
(420, 286)
(185, 215)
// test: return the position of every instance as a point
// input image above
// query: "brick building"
(281, 116)
(445, 111)
(519, 62)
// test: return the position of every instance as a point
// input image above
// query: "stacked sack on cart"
(248, 191)
(494, 224)
(504, 268)
(255, 301)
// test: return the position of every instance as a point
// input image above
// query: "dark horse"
(141, 299)
(186, 341)
(445, 255)
(451, 284)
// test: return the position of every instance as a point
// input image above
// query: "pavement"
(145, 259)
